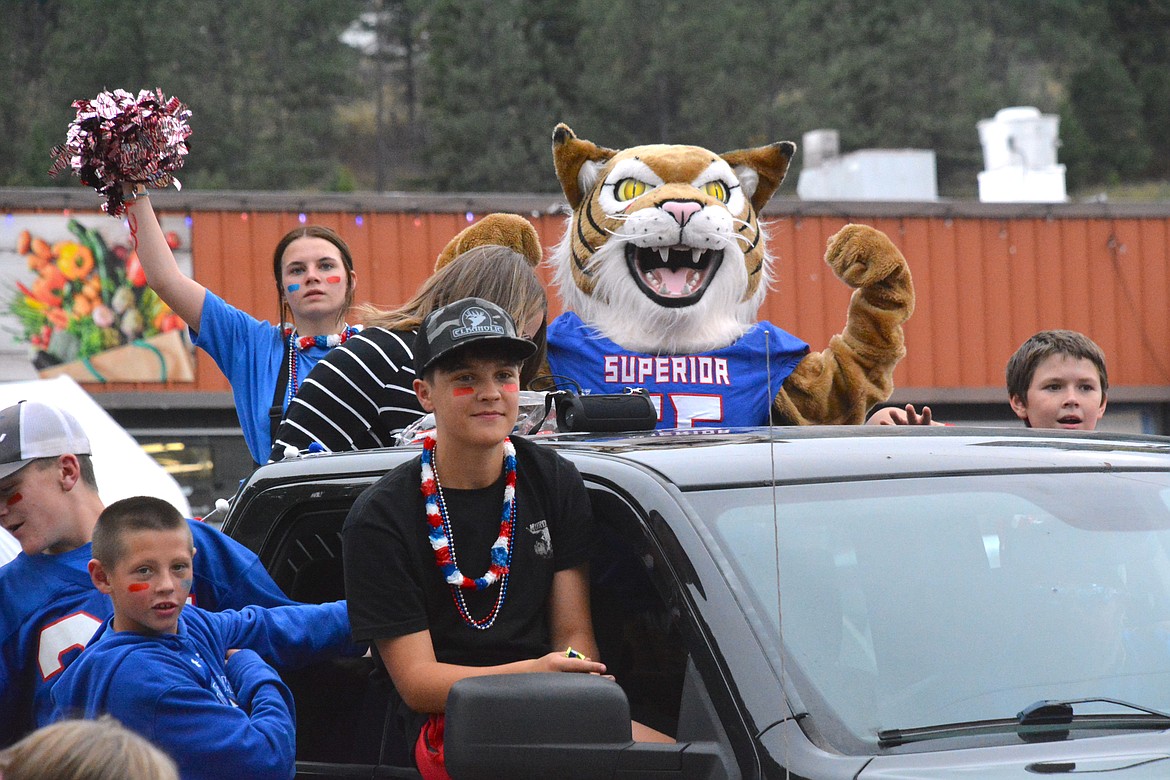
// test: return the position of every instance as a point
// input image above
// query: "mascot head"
(664, 252)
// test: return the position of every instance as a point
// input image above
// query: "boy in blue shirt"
(49, 608)
(193, 682)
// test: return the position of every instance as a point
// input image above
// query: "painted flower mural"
(86, 298)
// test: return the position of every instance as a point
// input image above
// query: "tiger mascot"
(663, 268)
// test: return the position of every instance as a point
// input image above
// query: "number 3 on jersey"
(63, 635)
(71, 632)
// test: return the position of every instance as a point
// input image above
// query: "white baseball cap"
(31, 430)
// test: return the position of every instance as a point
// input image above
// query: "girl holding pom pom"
(118, 144)
(264, 363)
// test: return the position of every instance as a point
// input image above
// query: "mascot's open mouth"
(674, 276)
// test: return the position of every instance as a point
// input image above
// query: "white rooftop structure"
(1019, 157)
(866, 174)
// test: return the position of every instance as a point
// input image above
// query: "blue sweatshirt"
(215, 718)
(49, 610)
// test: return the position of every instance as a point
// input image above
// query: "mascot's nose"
(681, 210)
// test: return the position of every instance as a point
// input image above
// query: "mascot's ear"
(577, 162)
(761, 169)
(508, 230)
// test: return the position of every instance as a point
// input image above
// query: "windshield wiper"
(1050, 719)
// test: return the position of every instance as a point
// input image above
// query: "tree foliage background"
(462, 95)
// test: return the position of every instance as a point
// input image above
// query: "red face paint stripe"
(512, 388)
(458, 391)
(333, 279)
(138, 587)
(15, 498)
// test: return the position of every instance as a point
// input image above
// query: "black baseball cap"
(30, 430)
(464, 322)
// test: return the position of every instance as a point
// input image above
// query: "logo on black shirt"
(543, 544)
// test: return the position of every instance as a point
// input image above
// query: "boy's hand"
(557, 661)
(893, 416)
(231, 652)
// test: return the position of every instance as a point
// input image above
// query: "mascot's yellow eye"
(717, 190)
(628, 189)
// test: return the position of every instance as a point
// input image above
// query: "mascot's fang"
(673, 276)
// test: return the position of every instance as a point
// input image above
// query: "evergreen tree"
(1104, 135)
(909, 75)
(491, 95)
(262, 78)
(463, 94)
(640, 70)
(383, 125)
(263, 81)
(28, 126)
(1139, 32)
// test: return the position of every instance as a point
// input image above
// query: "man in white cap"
(49, 608)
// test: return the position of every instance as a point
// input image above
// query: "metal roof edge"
(535, 204)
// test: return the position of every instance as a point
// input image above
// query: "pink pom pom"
(118, 139)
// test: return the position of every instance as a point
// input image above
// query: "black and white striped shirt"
(355, 398)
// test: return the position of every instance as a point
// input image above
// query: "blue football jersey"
(727, 387)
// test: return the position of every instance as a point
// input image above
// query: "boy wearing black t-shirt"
(471, 559)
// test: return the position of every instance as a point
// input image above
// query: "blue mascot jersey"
(719, 389)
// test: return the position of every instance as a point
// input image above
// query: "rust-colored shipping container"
(987, 275)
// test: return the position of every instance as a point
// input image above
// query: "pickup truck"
(823, 602)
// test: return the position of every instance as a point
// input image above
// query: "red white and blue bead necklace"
(443, 543)
(301, 343)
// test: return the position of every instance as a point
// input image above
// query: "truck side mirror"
(560, 725)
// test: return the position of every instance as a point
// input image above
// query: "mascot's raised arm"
(662, 271)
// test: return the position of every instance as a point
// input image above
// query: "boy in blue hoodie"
(193, 682)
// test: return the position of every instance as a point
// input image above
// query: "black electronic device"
(607, 413)
(629, 411)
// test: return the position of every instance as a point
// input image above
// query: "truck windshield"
(904, 603)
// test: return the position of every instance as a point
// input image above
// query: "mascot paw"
(508, 230)
(862, 256)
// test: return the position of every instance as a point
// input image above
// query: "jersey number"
(690, 408)
(58, 638)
